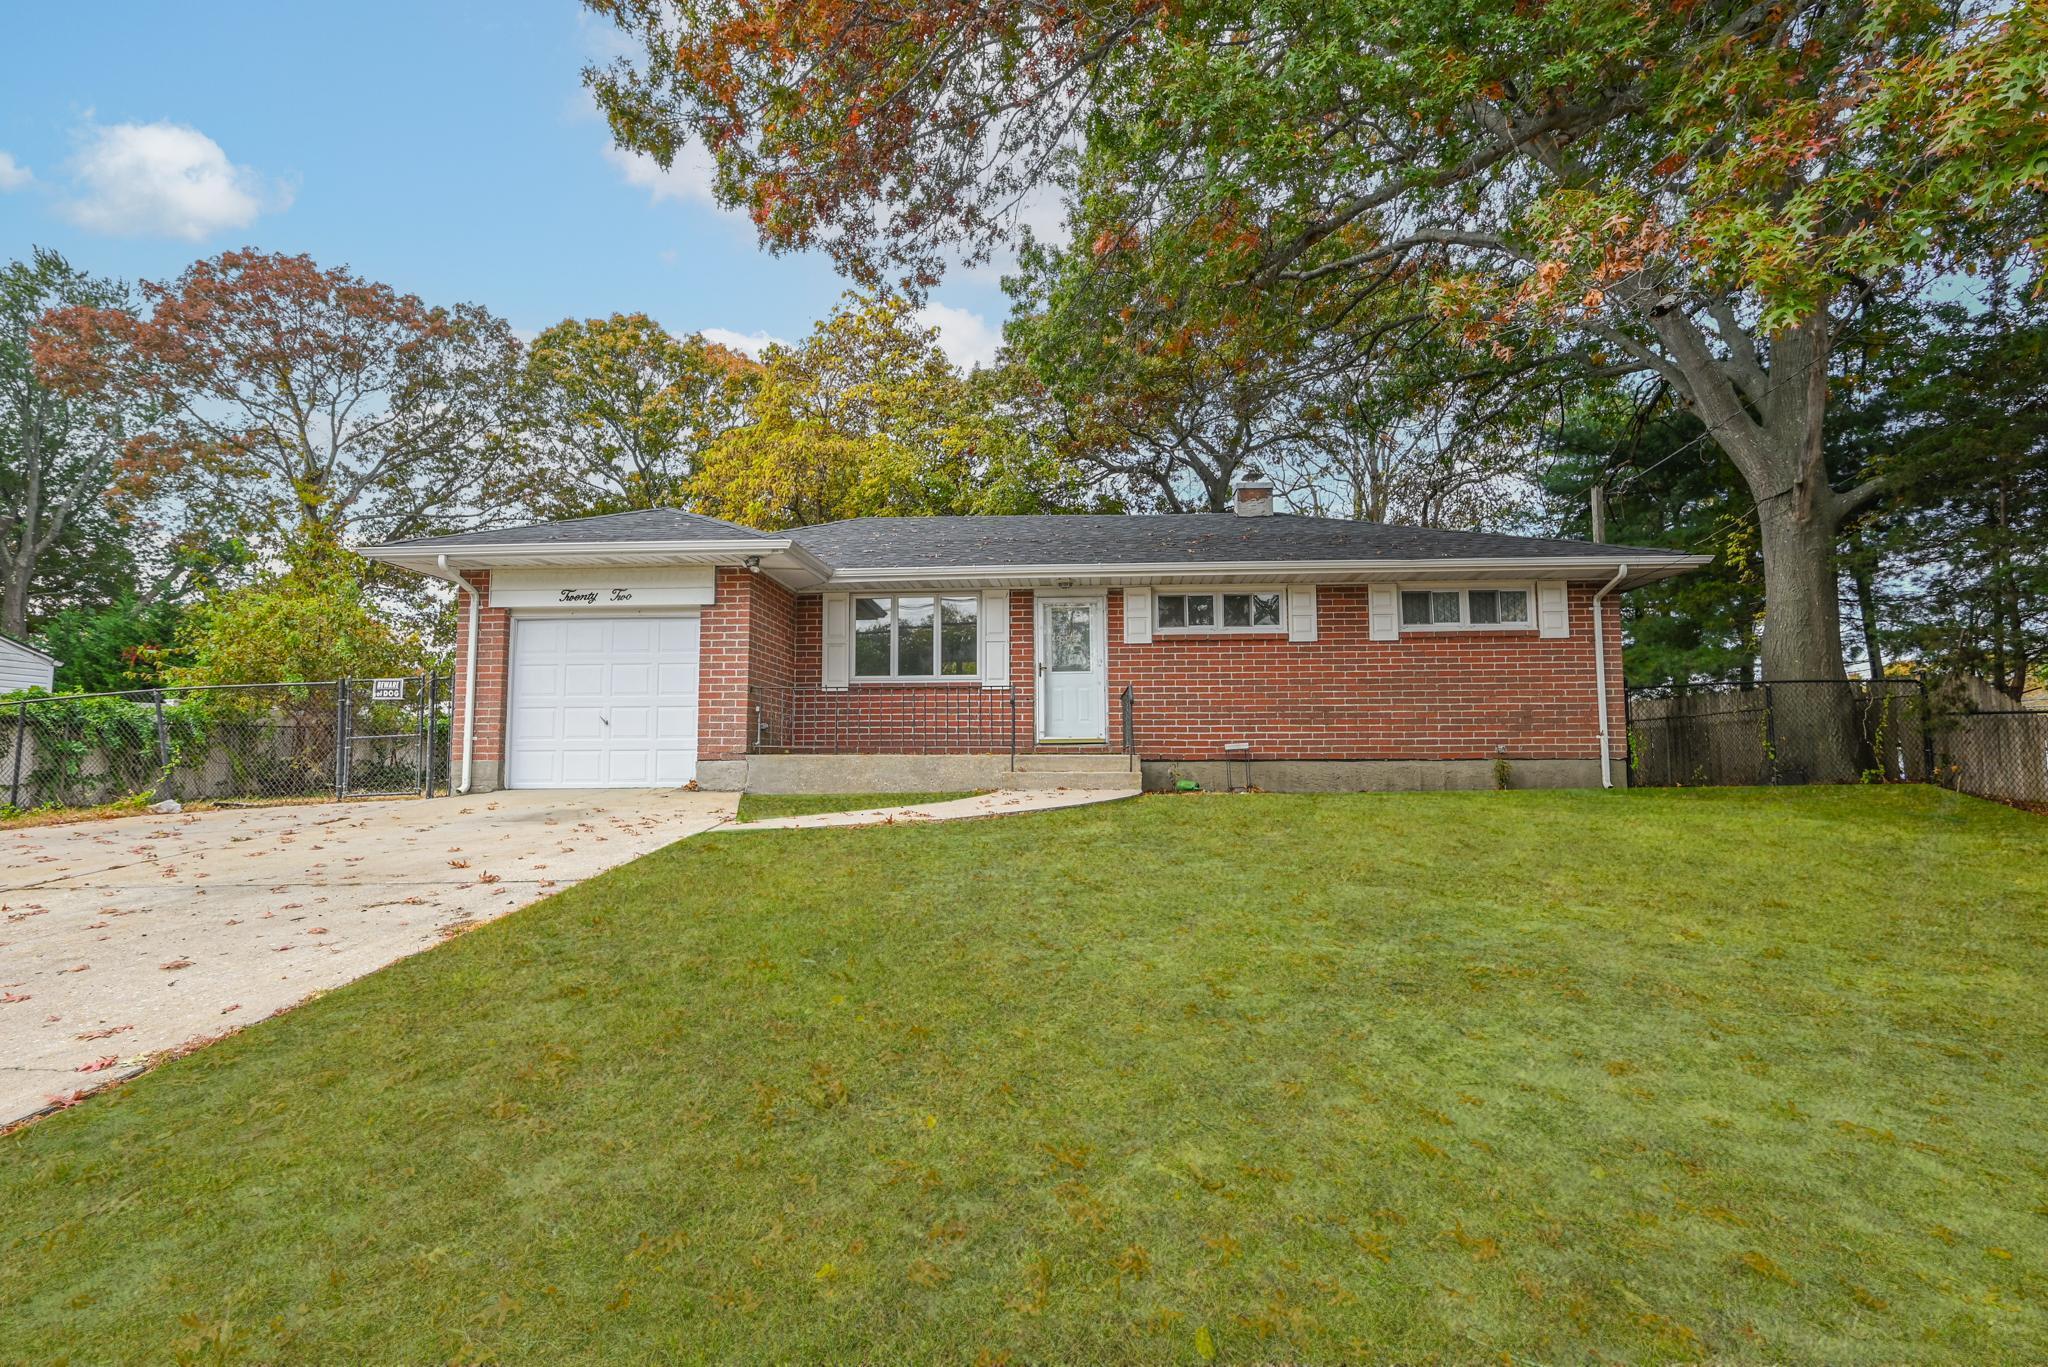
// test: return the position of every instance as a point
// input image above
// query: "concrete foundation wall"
(862, 773)
(1378, 776)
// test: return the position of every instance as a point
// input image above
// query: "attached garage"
(603, 702)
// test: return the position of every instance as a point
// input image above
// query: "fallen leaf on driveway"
(175, 964)
(487, 878)
(99, 1063)
(80, 969)
(236, 1007)
(15, 996)
(458, 863)
(316, 930)
(102, 1034)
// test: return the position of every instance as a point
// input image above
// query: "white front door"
(602, 702)
(1073, 669)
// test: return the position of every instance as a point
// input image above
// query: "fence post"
(1013, 729)
(163, 739)
(20, 744)
(1926, 733)
(1770, 737)
(427, 734)
(340, 738)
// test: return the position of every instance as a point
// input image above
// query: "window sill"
(942, 681)
(1219, 631)
(1460, 629)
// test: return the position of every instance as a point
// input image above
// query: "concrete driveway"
(120, 938)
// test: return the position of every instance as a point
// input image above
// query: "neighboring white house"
(23, 666)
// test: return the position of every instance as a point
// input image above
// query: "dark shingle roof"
(1163, 539)
(652, 524)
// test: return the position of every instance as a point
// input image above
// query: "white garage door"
(603, 702)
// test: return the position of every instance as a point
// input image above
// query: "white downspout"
(1600, 677)
(468, 672)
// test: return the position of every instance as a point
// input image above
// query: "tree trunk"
(14, 603)
(1865, 574)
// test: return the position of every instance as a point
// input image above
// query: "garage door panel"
(537, 723)
(584, 637)
(603, 702)
(632, 680)
(534, 681)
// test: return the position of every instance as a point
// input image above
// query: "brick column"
(493, 645)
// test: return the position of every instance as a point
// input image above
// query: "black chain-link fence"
(248, 742)
(1832, 731)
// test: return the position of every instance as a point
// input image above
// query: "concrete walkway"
(121, 938)
(1007, 802)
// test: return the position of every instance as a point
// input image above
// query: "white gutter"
(1600, 677)
(1538, 567)
(441, 571)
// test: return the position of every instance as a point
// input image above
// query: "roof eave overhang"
(779, 557)
(1641, 570)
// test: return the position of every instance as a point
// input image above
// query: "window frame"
(1217, 593)
(937, 598)
(1464, 589)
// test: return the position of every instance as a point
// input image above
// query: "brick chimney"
(1253, 494)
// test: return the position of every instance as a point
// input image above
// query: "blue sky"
(446, 147)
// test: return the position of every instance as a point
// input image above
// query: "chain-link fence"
(1832, 731)
(250, 742)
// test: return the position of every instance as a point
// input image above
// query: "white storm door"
(603, 702)
(1073, 669)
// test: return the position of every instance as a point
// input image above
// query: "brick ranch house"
(891, 654)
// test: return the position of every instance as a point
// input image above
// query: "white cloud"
(689, 179)
(966, 337)
(164, 180)
(747, 343)
(13, 175)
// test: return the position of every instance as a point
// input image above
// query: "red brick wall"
(1428, 695)
(1438, 695)
(1447, 695)
(748, 634)
(493, 644)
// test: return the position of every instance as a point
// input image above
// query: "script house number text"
(590, 595)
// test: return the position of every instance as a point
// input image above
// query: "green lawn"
(766, 806)
(1743, 1074)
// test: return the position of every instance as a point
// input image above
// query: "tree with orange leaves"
(295, 402)
(1701, 193)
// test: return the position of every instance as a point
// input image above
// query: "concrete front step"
(1054, 762)
(1101, 780)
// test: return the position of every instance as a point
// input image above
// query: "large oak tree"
(1702, 192)
(294, 402)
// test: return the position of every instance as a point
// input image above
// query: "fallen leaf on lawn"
(99, 1063)
(175, 964)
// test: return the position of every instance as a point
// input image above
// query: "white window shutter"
(995, 638)
(1553, 609)
(1386, 612)
(1137, 617)
(836, 669)
(1301, 612)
